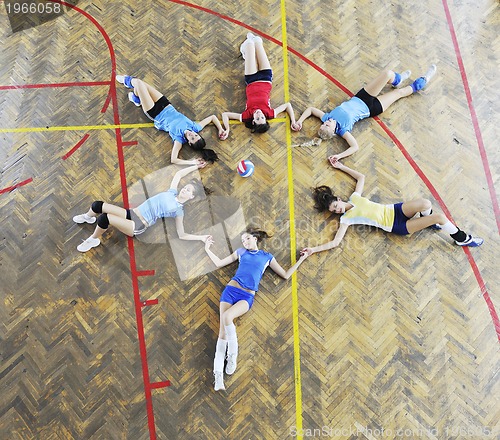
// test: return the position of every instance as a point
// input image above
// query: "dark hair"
(323, 197)
(199, 144)
(209, 155)
(257, 233)
(206, 154)
(260, 128)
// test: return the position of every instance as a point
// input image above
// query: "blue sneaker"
(422, 81)
(471, 241)
(132, 97)
(125, 80)
(436, 227)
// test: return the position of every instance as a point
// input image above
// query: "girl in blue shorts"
(237, 298)
(399, 218)
(135, 221)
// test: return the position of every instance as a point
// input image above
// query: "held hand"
(208, 242)
(335, 161)
(296, 126)
(200, 163)
(206, 238)
(306, 252)
(223, 134)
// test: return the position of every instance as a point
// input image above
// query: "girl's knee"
(425, 203)
(441, 218)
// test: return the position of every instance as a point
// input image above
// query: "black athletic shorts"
(372, 102)
(158, 107)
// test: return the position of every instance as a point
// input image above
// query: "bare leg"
(389, 98)
(230, 314)
(419, 223)
(375, 86)
(262, 60)
(250, 58)
(223, 306)
(146, 93)
(122, 224)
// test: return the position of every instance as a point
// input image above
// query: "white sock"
(232, 339)
(220, 355)
(426, 212)
(449, 228)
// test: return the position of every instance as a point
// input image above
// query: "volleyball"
(245, 168)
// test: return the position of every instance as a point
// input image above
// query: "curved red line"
(475, 122)
(78, 145)
(411, 161)
(133, 266)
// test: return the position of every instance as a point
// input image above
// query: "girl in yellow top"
(399, 218)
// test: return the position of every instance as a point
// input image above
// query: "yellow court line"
(293, 249)
(74, 128)
(95, 127)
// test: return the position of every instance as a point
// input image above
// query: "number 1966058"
(33, 8)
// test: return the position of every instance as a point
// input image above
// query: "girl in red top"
(258, 78)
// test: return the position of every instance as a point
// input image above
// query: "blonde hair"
(325, 133)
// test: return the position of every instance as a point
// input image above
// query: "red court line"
(129, 144)
(17, 185)
(163, 384)
(150, 302)
(145, 273)
(50, 86)
(420, 173)
(106, 103)
(78, 145)
(130, 243)
(475, 122)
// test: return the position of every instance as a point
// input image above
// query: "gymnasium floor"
(387, 337)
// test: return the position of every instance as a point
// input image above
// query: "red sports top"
(258, 97)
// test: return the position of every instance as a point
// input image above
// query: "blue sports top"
(161, 205)
(347, 114)
(175, 123)
(251, 268)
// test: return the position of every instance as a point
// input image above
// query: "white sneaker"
(404, 76)
(430, 73)
(253, 37)
(120, 79)
(231, 363)
(84, 218)
(88, 244)
(218, 381)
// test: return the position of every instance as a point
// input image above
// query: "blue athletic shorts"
(232, 295)
(261, 75)
(399, 226)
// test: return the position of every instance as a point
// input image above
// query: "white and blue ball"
(246, 168)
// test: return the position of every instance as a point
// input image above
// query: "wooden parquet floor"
(395, 337)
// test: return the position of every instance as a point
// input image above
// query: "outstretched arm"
(226, 116)
(275, 266)
(331, 244)
(353, 146)
(213, 119)
(289, 109)
(179, 225)
(215, 259)
(174, 156)
(310, 111)
(182, 173)
(360, 178)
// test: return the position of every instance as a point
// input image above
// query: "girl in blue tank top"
(238, 296)
(135, 221)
